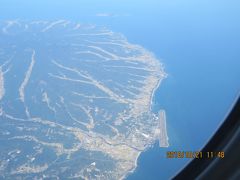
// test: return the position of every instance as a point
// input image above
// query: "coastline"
(134, 168)
(163, 76)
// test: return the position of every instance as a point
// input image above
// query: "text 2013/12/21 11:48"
(195, 154)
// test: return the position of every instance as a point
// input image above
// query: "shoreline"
(151, 110)
(163, 76)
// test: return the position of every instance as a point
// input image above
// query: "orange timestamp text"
(195, 154)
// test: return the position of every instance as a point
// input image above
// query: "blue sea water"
(199, 44)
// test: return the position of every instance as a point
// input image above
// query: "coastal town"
(81, 101)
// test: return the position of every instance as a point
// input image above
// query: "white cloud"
(111, 15)
(104, 14)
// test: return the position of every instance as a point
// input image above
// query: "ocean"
(199, 45)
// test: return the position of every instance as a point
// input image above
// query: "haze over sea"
(199, 44)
